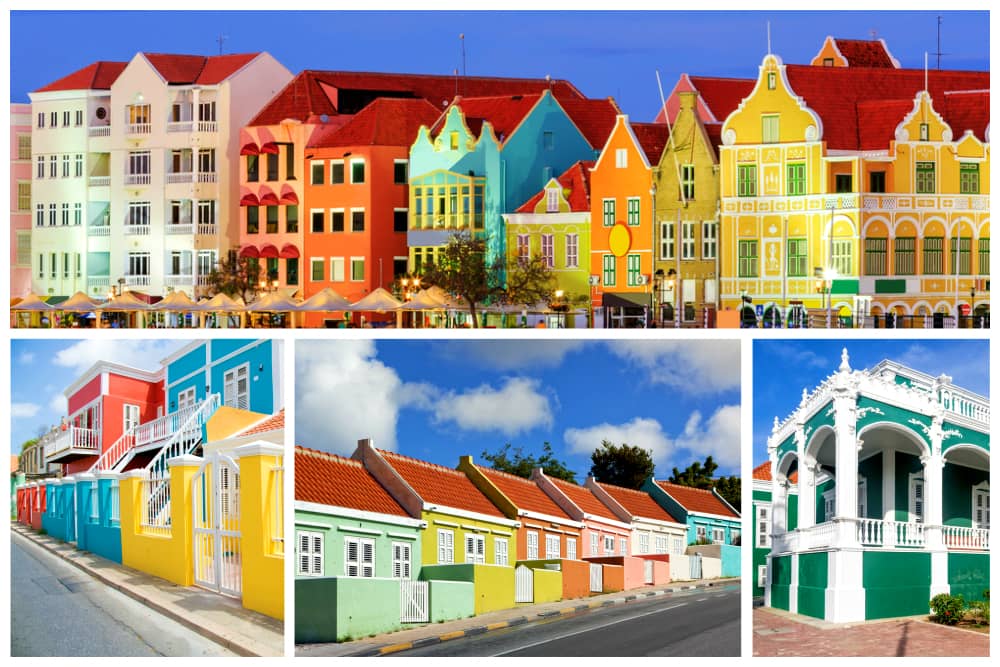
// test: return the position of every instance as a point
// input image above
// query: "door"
(236, 388)
(215, 493)
(524, 584)
(185, 399)
(695, 561)
(413, 601)
(130, 417)
(981, 508)
(648, 567)
(596, 578)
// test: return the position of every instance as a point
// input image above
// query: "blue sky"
(42, 369)
(781, 368)
(604, 53)
(437, 400)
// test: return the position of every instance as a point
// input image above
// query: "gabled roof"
(652, 138)
(717, 96)
(385, 122)
(697, 500)
(714, 132)
(328, 479)
(95, 76)
(966, 110)
(865, 53)
(185, 69)
(576, 179)
(438, 485)
(275, 422)
(313, 93)
(583, 498)
(638, 503)
(524, 493)
(504, 113)
(595, 118)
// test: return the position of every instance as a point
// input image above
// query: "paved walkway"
(779, 633)
(219, 618)
(436, 633)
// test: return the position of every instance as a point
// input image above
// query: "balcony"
(136, 179)
(68, 445)
(99, 131)
(208, 126)
(179, 177)
(959, 537)
(172, 280)
(878, 533)
(137, 230)
(203, 279)
(99, 181)
(209, 229)
(102, 282)
(139, 128)
(98, 230)
(181, 126)
(179, 228)
(928, 202)
(208, 177)
(137, 281)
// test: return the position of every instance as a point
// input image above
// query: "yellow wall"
(547, 585)
(572, 280)
(227, 421)
(263, 559)
(460, 526)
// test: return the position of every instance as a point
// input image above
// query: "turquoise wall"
(190, 371)
(100, 535)
(905, 465)
(781, 581)
(871, 470)
(59, 519)
(956, 505)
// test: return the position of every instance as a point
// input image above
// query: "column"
(933, 542)
(808, 472)
(846, 484)
(779, 503)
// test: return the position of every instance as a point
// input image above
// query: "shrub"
(948, 609)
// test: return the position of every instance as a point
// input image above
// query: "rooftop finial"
(805, 395)
(844, 362)
(774, 427)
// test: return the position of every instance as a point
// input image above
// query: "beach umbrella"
(78, 303)
(327, 300)
(378, 300)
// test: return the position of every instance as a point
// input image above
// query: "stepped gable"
(95, 76)
(638, 503)
(583, 498)
(524, 493)
(576, 179)
(438, 485)
(697, 500)
(385, 122)
(328, 479)
(503, 113)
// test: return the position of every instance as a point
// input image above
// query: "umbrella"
(32, 303)
(327, 300)
(220, 303)
(123, 302)
(177, 302)
(439, 295)
(273, 302)
(378, 300)
(423, 301)
(78, 303)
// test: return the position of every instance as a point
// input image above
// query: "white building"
(134, 179)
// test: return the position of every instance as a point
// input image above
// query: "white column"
(807, 494)
(793, 588)
(767, 581)
(933, 466)
(888, 485)
(846, 484)
(845, 592)
(779, 505)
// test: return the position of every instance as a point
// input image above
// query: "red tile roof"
(714, 132)
(327, 479)
(95, 76)
(525, 494)
(864, 53)
(275, 422)
(186, 69)
(594, 118)
(880, 120)
(503, 113)
(439, 485)
(763, 472)
(652, 139)
(722, 95)
(697, 500)
(966, 110)
(638, 503)
(385, 122)
(584, 498)
(576, 179)
(313, 93)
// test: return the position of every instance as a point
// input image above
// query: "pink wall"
(20, 170)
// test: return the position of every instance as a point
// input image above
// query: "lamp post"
(972, 304)
(658, 297)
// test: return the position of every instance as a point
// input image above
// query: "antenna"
(220, 39)
(769, 38)
(461, 37)
(925, 71)
(670, 132)
(939, 54)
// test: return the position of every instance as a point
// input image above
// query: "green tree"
(236, 277)
(700, 476)
(621, 465)
(729, 488)
(461, 270)
(513, 460)
(529, 282)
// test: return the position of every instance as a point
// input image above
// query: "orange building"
(621, 219)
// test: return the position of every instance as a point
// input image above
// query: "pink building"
(20, 199)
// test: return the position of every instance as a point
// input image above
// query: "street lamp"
(658, 297)
(972, 304)
(824, 286)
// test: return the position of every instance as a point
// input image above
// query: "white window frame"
(350, 177)
(718, 535)
(552, 200)
(595, 540)
(709, 239)
(549, 250)
(571, 548)
(763, 514)
(94, 503)
(917, 487)
(609, 545)
(668, 241)
(687, 240)
(477, 553)
(531, 544)
(500, 551)
(829, 505)
(362, 278)
(343, 171)
(402, 565)
(364, 567)
(644, 543)
(701, 533)
(862, 497)
(186, 398)
(337, 269)
(622, 546)
(984, 489)
(761, 576)
(621, 158)
(572, 251)
(446, 546)
(523, 249)
(312, 554)
(232, 378)
(130, 416)
(553, 546)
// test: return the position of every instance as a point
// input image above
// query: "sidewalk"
(219, 618)
(425, 635)
(778, 633)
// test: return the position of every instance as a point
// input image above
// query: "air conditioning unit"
(101, 113)
(642, 280)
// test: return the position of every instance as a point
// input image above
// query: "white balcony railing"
(137, 230)
(958, 402)
(155, 517)
(99, 181)
(178, 280)
(203, 279)
(958, 537)
(915, 202)
(137, 281)
(99, 281)
(73, 439)
(179, 177)
(99, 131)
(801, 539)
(136, 179)
(179, 228)
(139, 128)
(182, 126)
(878, 533)
(208, 126)
(98, 230)
(163, 427)
(208, 177)
(208, 228)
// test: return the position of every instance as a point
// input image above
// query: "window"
(291, 219)
(475, 549)
(359, 557)
(236, 387)
(357, 220)
(981, 506)
(548, 141)
(65, 119)
(357, 269)
(925, 132)
(718, 535)
(934, 255)
(337, 220)
(904, 258)
(78, 169)
(336, 172)
(39, 215)
(548, 250)
(770, 130)
(594, 540)
(621, 158)
(41, 119)
(272, 219)
(660, 544)
(532, 544)
(78, 118)
(272, 166)
(138, 214)
(984, 256)
(24, 196)
(552, 200)
(843, 257)
(666, 240)
(253, 219)
(289, 160)
(138, 163)
(65, 265)
(609, 545)
(453, 141)
(337, 269)
(310, 560)
(316, 269)
(842, 183)
(609, 271)
(875, 256)
(400, 171)
(500, 551)
(53, 119)
(41, 167)
(571, 548)
(764, 526)
(687, 181)
(644, 543)
(609, 212)
(65, 214)
(552, 546)
(400, 560)
(747, 259)
(206, 112)
(701, 533)
(916, 498)
(316, 172)
(253, 168)
(968, 179)
(762, 569)
(797, 257)
(23, 248)
(206, 161)
(876, 181)
(862, 498)
(772, 80)
(829, 505)
(357, 171)
(964, 246)
(399, 218)
(52, 215)
(925, 178)
(687, 240)
(65, 166)
(573, 249)
(796, 179)
(633, 211)
(24, 147)
(709, 239)
(317, 217)
(53, 166)
(746, 178)
(292, 271)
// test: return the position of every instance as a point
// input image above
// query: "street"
(58, 610)
(690, 623)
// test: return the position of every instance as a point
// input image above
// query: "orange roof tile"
(439, 485)
(503, 113)
(524, 493)
(328, 479)
(385, 122)
(697, 500)
(95, 76)
(576, 179)
(763, 472)
(722, 95)
(594, 118)
(638, 503)
(275, 422)
(864, 53)
(585, 499)
(188, 69)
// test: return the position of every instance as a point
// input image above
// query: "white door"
(596, 578)
(413, 598)
(130, 417)
(524, 584)
(185, 399)
(981, 508)
(215, 490)
(648, 565)
(236, 388)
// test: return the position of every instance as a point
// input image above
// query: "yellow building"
(846, 189)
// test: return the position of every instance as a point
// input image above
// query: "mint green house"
(879, 496)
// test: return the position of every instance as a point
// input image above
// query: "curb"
(141, 599)
(521, 620)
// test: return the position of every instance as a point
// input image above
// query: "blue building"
(709, 518)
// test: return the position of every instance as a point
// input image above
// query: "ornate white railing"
(878, 533)
(110, 457)
(156, 505)
(139, 128)
(136, 179)
(209, 228)
(961, 403)
(183, 126)
(959, 537)
(179, 177)
(163, 427)
(137, 281)
(178, 280)
(179, 228)
(208, 177)
(73, 438)
(208, 126)
(182, 437)
(99, 181)
(98, 230)
(800, 539)
(137, 230)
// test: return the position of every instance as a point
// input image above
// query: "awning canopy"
(268, 250)
(625, 300)
(249, 148)
(249, 251)
(269, 147)
(267, 197)
(288, 195)
(289, 251)
(249, 199)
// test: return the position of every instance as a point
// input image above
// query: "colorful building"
(654, 530)
(762, 519)
(622, 231)
(20, 199)
(893, 495)
(709, 518)
(857, 191)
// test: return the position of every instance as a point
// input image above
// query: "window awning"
(249, 251)
(268, 250)
(269, 147)
(626, 300)
(289, 251)
(288, 195)
(267, 197)
(249, 199)
(249, 148)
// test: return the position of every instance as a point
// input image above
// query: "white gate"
(215, 495)
(413, 601)
(596, 578)
(524, 584)
(695, 560)
(648, 566)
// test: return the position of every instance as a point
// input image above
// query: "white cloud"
(797, 355)
(26, 358)
(509, 355)
(18, 410)
(518, 405)
(58, 404)
(643, 432)
(697, 366)
(144, 354)
(718, 436)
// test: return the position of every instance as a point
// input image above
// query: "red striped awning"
(249, 199)
(288, 195)
(269, 147)
(249, 148)
(268, 250)
(267, 197)
(249, 251)
(289, 251)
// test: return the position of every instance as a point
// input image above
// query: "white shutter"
(304, 554)
(594, 541)
(532, 545)
(499, 551)
(571, 548)
(367, 558)
(317, 554)
(351, 553)
(310, 547)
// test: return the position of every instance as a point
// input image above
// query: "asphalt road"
(703, 622)
(58, 610)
